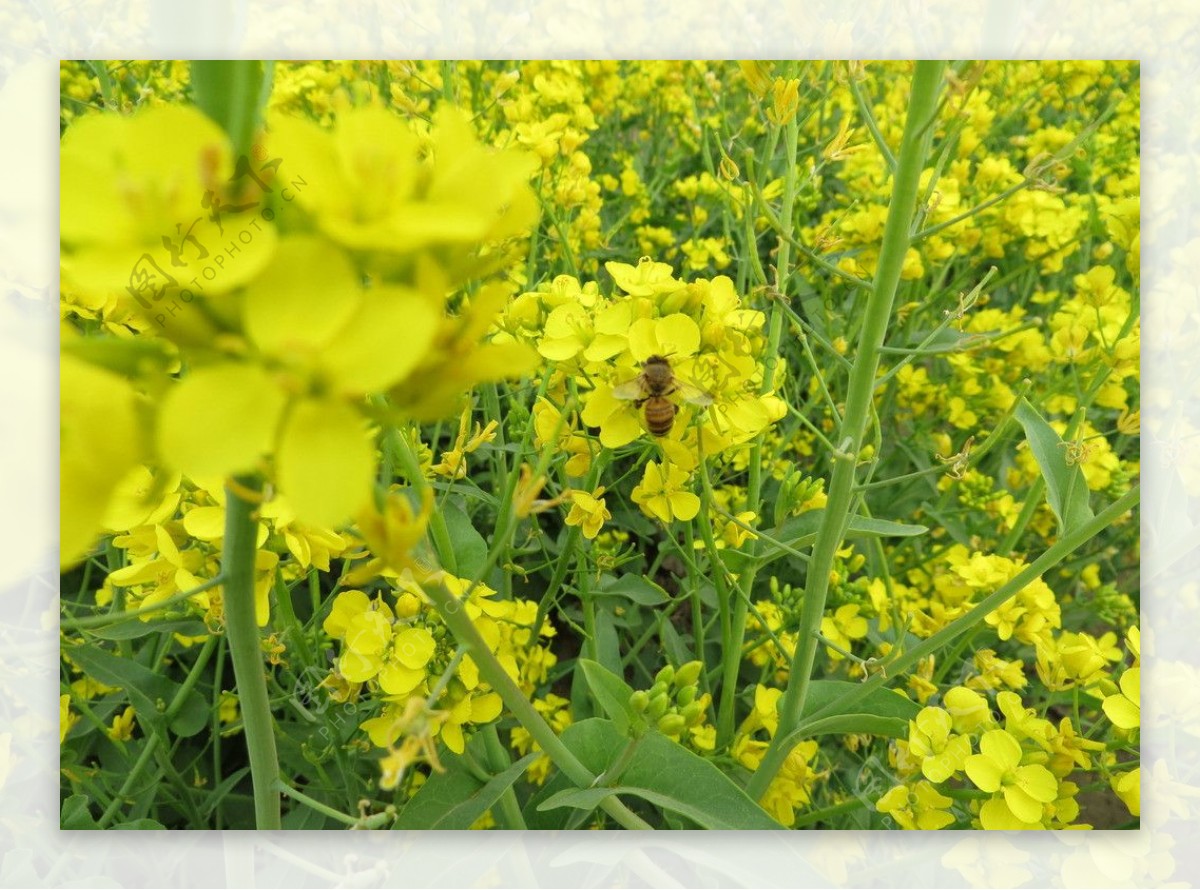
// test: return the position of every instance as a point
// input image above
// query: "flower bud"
(685, 696)
(639, 701)
(658, 706)
(785, 100)
(666, 676)
(689, 673)
(693, 714)
(672, 724)
(791, 495)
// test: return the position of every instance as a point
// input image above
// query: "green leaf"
(660, 771)
(149, 693)
(74, 815)
(611, 692)
(193, 715)
(470, 549)
(139, 825)
(588, 799)
(456, 798)
(677, 652)
(882, 713)
(880, 702)
(608, 641)
(231, 92)
(636, 588)
(1066, 488)
(134, 628)
(800, 531)
(217, 796)
(855, 724)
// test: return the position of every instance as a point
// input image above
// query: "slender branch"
(110, 618)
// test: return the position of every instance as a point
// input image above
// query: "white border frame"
(37, 34)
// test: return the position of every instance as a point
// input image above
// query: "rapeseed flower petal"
(100, 441)
(302, 299)
(325, 461)
(220, 420)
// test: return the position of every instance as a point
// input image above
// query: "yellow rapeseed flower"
(661, 494)
(588, 511)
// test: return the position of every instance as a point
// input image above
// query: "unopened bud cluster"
(795, 492)
(674, 703)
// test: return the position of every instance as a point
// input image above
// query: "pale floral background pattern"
(1164, 36)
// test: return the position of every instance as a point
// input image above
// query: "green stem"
(185, 689)
(323, 809)
(241, 629)
(914, 147)
(726, 713)
(694, 594)
(233, 92)
(814, 816)
(112, 618)
(498, 760)
(567, 556)
(724, 598)
(455, 616)
(872, 126)
(127, 786)
(1033, 500)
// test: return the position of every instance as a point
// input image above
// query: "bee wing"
(630, 390)
(693, 394)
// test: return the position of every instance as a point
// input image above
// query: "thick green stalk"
(914, 148)
(233, 93)
(241, 630)
(464, 630)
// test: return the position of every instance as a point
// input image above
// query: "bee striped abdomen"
(659, 414)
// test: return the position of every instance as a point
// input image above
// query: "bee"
(649, 391)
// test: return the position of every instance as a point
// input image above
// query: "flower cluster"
(402, 652)
(792, 788)
(675, 706)
(599, 347)
(327, 267)
(1023, 761)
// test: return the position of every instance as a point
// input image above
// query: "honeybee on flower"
(650, 391)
